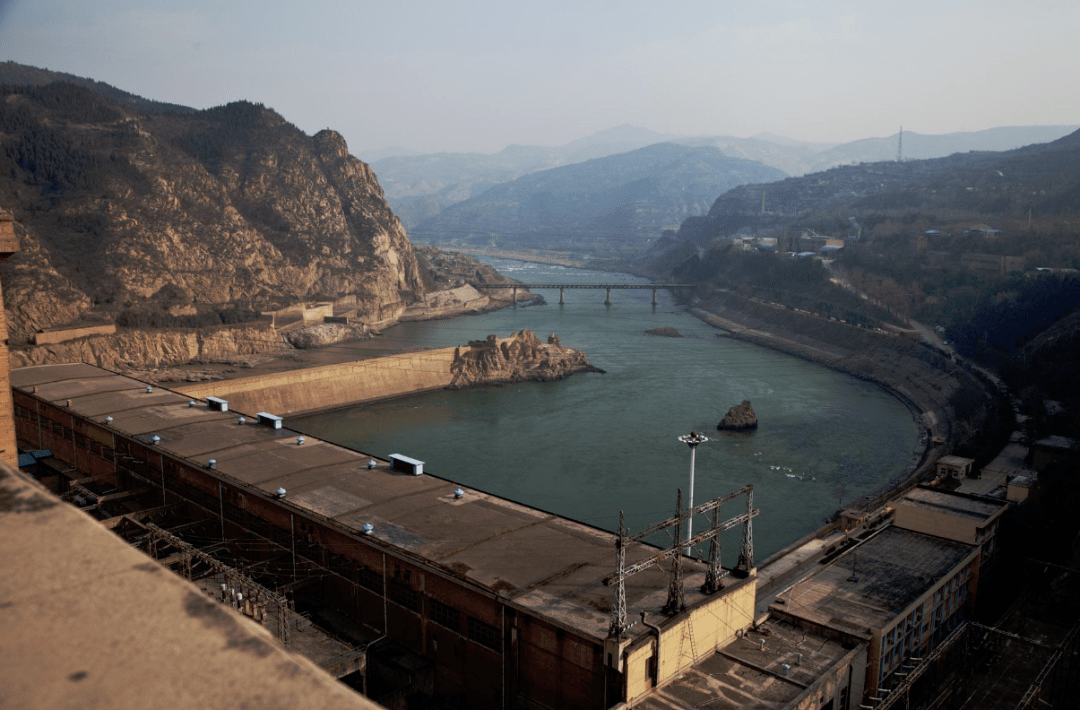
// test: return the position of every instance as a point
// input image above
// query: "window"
(340, 565)
(370, 579)
(405, 596)
(484, 634)
(283, 538)
(258, 525)
(445, 615)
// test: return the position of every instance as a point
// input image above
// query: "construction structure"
(434, 588)
(9, 244)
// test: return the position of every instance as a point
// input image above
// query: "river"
(593, 444)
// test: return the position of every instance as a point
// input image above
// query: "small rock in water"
(741, 417)
(667, 331)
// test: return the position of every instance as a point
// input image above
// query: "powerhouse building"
(506, 605)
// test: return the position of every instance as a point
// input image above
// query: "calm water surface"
(593, 444)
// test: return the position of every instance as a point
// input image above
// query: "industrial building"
(479, 599)
(955, 516)
(900, 592)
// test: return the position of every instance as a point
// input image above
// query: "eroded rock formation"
(520, 357)
(741, 417)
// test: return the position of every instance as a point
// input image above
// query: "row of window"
(907, 637)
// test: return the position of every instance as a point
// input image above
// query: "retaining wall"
(331, 386)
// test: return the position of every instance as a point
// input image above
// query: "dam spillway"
(590, 445)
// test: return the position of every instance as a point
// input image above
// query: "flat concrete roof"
(954, 461)
(952, 503)
(543, 563)
(90, 622)
(745, 675)
(891, 571)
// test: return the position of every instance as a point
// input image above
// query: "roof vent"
(108, 420)
(371, 464)
(191, 403)
(400, 462)
(149, 389)
(270, 420)
(367, 528)
(280, 492)
(217, 404)
(211, 463)
(784, 668)
(155, 439)
(240, 420)
(458, 493)
(68, 404)
(762, 644)
(299, 441)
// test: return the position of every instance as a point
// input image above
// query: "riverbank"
(951, 404)
(518, 358)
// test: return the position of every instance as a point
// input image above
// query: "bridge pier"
(654, 296)
(561, 301)
(515, 296)
(607, 301)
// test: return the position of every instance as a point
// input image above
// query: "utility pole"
(900, 146)
(692, 440)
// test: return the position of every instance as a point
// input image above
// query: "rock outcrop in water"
(520, 357)
(741, 417)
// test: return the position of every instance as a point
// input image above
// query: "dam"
(593, 444)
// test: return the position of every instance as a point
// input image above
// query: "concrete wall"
(9, 244)
(690, 637)
(935, 522)
(332, 385)
(62, 334)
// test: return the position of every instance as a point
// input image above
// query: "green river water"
(593, 444)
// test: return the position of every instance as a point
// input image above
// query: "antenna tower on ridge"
(900, 146)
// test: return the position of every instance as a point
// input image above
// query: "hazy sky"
(460, 75)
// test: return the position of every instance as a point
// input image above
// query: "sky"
(460, 76)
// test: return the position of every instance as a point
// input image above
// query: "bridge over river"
(563, 286)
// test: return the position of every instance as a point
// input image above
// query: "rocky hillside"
(1040, 183)
(605, 206)
(165, 218)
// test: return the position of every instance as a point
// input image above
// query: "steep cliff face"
(520, 357)
(154, 218)
(155, 348)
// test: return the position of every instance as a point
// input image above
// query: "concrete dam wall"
(332, 385)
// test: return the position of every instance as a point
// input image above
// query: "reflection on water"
(593, 444)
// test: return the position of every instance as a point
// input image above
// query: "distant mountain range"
(418, 187)
(610, 205)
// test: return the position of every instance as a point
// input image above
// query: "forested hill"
(605, 206)
(15, 74)
(157, 216)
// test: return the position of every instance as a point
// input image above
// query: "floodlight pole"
(692, 440)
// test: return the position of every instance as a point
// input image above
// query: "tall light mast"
(692, 440)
